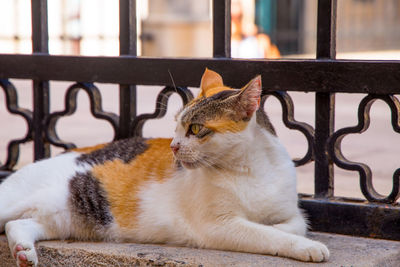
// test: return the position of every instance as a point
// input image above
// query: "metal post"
(127, 46)
(222, 28)
(40, 88)
(324, 102)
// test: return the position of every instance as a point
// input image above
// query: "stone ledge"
(345, 251)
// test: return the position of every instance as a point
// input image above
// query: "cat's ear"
(250, 96)
(210, 79)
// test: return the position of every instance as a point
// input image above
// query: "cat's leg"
(10, 199)
(11, 211)
(3, 221)
(239, 234)
(18, 193)
(37, 203)
(295, 225)
(4, 218)
(21, 235)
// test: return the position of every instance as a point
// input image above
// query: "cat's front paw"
(309, 250)
(25, 255)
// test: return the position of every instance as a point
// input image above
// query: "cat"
(223, 182)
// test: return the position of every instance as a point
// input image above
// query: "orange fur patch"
(210, 79)
(226, 125)
(122, 182)
(89, 149)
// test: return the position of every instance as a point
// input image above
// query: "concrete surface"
(345, 251)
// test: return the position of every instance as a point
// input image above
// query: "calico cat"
(224, 182)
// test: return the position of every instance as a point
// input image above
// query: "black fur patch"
(88, 199)
(224, 94)
(125, 150)
(263, 121)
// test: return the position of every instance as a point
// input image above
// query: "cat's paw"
(309, 250)
(25, 255)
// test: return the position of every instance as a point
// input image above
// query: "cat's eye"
(195, 128)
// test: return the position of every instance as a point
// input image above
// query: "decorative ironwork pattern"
(364, 170)
(70, 107)
(288, 119)
(161, 107)
(12, 106)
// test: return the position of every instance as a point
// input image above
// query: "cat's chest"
(257, 198)
(191, 199)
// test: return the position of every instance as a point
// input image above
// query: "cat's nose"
(175, 147)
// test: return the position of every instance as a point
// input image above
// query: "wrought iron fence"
(377, 216)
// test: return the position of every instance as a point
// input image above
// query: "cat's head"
(214, 124)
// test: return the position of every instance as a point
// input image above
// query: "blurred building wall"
(365, 25)
(177, 28)
(183, 28)
(362, 25)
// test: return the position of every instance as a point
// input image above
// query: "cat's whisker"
(163, 105)
(172, 79)
(163, 94)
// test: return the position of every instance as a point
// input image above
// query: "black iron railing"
(377, 216)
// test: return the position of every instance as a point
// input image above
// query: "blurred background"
(274, 29)
(182, 28)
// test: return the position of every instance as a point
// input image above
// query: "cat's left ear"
(250, 96)
(209, 80)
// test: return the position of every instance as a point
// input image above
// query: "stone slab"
(345, 251)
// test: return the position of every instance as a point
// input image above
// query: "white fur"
(249, 206)
(246, 202)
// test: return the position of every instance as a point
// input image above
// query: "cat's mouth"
(193, 162)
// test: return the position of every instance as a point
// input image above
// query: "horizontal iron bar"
(350, 76)
(357, 218)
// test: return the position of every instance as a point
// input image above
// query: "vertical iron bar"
(326, 31)
(222, 28)
(127, 46)
(41, 100)
(324, 102)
